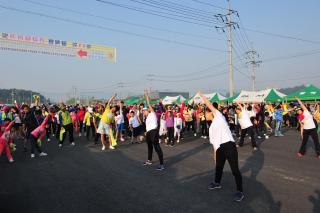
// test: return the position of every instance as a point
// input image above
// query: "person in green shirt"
(66, 123)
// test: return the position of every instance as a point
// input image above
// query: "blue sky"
(138, 57)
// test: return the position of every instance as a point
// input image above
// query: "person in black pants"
(152, 136)
(246, 127)
(224, 149)
(308, 128)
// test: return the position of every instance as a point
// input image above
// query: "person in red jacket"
(80, 116)
(5, 139)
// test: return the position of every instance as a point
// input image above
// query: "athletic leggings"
(170, 135)
(313, 133)
(250, 131)
(228, 151)
(204, 128)
(5, 147)
(34, 144)
(152, 139)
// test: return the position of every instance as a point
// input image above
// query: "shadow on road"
(315, 200)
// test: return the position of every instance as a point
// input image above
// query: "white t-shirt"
(219, 131)
(134, 122)
(177, 122)
(244, 120)
(151, 121)
(307, 121)
(118, 119)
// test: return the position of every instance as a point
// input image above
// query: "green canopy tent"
(274, 96)
(230, 99)
(217, 98)
(310, 93)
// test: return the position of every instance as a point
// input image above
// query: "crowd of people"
(113, 122)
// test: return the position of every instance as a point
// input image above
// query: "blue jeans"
(277, 131)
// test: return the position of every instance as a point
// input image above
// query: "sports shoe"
(103, 148)
(267, 137)
(147, 163)
(281, 135)
(195, 134)
(121, 139)
(60, 145)
(299, 155)
(237, 146)
(205, 137)
(43, 154)
(79, 134)
(214, 186)
(160, 168)
(259, 137)
(111, 147)
(33, 156)
(11, 160)
(72, 144)
(255, 149)
(52, 135)
(178, 141)
(48, 140)
(238, 197)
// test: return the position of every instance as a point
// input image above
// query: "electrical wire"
(107, 28)
(117, 20)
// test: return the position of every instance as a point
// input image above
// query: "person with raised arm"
(152, 135)
(246, 126)
(308, 128)
(225, 148)
(106, 119)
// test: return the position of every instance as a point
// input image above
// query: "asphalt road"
(85, 179)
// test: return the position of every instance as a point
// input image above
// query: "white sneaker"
(205, 137)
(52, 135)
(267, 137)
(48, 140)
(259, 137)
(43, 154)
(195, 134)
(111, 147)
(60, 145)
(178, 141)
(103, 148)
(11, 161)
(33, 156)
(79, 134)
(72, 144)
(121, 139)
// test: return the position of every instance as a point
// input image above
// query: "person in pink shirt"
(5, 139)
(38, 134)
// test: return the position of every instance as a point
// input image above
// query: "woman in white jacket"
(177, 126)
(163, 128)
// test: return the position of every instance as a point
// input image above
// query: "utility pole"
(226, 20)
(253, 60)
(12, 96)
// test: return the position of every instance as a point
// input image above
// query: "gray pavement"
(85, 179)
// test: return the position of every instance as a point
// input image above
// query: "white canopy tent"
(211, 97)
(271, 95)
(172, 99)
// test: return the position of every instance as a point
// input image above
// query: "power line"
(283, 36)
(117, 20)
(108, 28)
(209, 4)
(177, 8)
(278, 58)
(156, 13)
